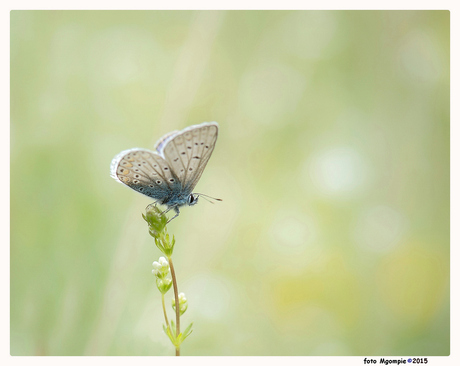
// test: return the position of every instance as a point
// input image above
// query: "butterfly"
(171, 172)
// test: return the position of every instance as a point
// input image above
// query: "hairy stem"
(176, 297)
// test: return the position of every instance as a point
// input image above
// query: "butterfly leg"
(166, 211)
(177, 213)
(151, 205)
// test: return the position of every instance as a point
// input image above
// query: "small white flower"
(160, 268)
(164, 265)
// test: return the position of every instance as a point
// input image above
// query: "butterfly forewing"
(144, 171)
(188, 152)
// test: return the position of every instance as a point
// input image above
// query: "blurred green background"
(332, 162)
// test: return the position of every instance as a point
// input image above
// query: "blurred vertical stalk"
(190, 67)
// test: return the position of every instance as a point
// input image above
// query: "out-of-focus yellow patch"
(334, 288)
(413, 282)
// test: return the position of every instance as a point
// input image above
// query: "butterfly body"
(168, 174)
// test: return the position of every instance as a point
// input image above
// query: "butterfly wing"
(187, 152)
(146, 172)
(160, 144)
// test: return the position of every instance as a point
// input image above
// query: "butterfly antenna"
(205, 196)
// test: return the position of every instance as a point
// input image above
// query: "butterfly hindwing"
(144, 171)
(160, 144)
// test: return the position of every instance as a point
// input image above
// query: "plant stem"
(164, 310)
(176, 297)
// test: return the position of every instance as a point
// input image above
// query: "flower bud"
(155, 219)
(160, 268)
(183, 304)
(164, 284)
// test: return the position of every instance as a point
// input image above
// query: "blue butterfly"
(169, 173)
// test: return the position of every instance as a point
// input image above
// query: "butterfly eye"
(192, 200)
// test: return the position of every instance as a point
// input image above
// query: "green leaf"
(173, 328)
(173, 242)
(170, 336)
(188, 329)
(187, 332)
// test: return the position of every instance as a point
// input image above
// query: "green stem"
(176, 297)
(164, 310)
